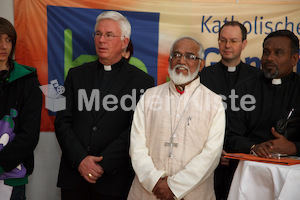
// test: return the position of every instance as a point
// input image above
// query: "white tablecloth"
(256, 180)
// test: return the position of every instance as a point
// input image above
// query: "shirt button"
(94, 128)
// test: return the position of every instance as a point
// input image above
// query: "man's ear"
(202, 64)
(295, 59)
(244, 43)
(125, 42)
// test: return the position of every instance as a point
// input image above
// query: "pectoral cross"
(171, 144)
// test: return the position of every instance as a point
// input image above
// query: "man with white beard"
(177, 132)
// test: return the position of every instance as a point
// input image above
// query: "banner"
(55, 35)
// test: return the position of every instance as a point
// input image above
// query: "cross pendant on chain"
(171, 144)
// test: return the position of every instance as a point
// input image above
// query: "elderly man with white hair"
(94, 140)
(177, 132)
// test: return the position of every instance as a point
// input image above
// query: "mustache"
(179, 65)
(268, 63)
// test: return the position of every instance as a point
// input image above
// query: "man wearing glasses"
(177, 132)
(222, 78)
(94, 139)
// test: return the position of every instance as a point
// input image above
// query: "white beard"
(268, 74)
(180, 79)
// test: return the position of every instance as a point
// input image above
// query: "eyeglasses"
(107, 36)
(231, 42)
(188, 56)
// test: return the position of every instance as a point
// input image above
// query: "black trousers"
(222, 179)
(88, 193)
(18, 193)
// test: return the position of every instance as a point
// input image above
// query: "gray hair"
(201, 49)
(116, 16)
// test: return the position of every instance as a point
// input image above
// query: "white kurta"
(198, 125)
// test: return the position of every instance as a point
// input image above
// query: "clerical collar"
(231, 69)
(279, 81)
(108, 68)
(276, 81)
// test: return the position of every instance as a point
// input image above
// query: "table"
(256, 180)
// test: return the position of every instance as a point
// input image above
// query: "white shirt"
(199, 117)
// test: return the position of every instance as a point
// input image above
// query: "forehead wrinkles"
(186, 46)
(108, 26)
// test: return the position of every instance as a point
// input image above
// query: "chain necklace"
(171, 144)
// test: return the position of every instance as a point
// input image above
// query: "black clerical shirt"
(273, 102)
(217, 78)
(231, 77)
(107, 77)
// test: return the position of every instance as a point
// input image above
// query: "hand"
(90, 169)
(162, 190)
(224, 161)
(282, 145)
(263, 149)
(278, 145)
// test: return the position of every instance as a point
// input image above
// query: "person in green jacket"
(20, 116)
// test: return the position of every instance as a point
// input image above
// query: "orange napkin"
(280, 161)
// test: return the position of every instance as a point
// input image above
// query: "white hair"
(201, 49)
(116, 16)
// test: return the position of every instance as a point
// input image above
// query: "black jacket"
(21, 93)
(273, 102)
(213, 77)
(99, 133)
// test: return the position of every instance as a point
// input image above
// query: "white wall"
(42, 183)
(6, 10)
